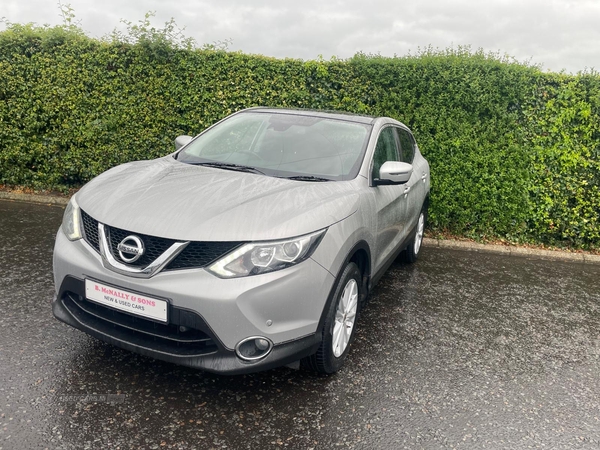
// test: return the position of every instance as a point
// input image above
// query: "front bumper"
(283, 306)
(198, 347)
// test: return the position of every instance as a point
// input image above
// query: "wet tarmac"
(461, 350)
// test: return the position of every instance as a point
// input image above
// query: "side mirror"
(181, 141)
(394, 172)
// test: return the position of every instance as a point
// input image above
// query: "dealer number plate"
(130, 302)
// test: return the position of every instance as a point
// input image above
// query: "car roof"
(340, 115)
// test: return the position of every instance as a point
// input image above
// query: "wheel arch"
(360, 254)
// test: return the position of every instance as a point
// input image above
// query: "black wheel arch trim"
(360, 245)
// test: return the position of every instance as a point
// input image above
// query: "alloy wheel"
(419, 235)
(345, 317)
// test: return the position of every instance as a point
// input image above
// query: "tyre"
(411, 253)
(340, 324)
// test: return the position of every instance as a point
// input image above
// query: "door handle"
(406, 191)
(424, 177)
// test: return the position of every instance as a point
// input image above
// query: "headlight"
(262, 257)
(71, 223)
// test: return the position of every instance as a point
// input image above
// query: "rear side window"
(407, 145)
(385, 150)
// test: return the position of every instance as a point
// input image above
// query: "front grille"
(197, 254)
(201, 254)
(90, 230)
(166, 338)
(153, 246)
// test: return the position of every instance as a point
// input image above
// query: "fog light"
(253, 348)
(261, 344)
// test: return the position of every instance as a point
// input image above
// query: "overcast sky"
(557, 34)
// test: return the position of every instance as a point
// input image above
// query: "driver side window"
(385, 150)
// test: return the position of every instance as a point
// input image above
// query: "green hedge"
(514, 151)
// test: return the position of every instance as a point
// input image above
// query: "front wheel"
(338, 329)
(414, 245)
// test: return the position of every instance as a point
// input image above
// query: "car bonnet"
(170, 199)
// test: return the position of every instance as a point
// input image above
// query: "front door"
(390, 200)
(416, 184)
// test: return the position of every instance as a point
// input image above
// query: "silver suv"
(253, 246)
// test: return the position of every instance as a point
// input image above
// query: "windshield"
(283, 145)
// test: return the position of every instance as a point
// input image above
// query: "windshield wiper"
(230, 166)
(306, 178)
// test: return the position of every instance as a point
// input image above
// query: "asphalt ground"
(460, 350)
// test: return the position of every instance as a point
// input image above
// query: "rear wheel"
(338, 329)
(411, 253)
